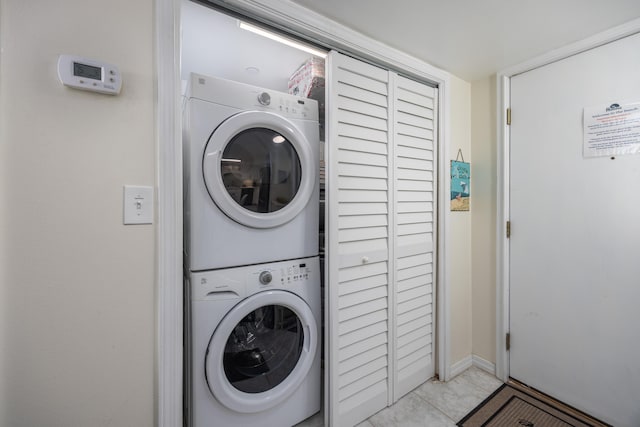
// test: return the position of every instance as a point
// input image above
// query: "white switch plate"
(138, 204)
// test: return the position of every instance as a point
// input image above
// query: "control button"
(265, 277)
(112, 72)
(264, 98)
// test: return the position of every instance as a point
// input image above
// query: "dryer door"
(258, 168)
(261, 352)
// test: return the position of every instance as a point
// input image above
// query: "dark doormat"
(516, 405)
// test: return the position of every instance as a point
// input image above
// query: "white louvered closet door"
(358, 276)
(380, 237)
(414, 235)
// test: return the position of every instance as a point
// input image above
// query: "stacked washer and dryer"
(252, 287)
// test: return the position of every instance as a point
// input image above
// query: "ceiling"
(476, 38)
(213, 44)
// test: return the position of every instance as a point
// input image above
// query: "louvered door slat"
(360, 334)
(361, 349)
(362, 107)
(360, 133)
(358, 183)
(413, 131)
(418, 110)
(419, 89)
(360, 145)
(375, 353)
(362, 325)
(353, 92)
(414, 152)
(417, 121)
(359, 157)
(345, 222)
(414, 185)
(411, 141)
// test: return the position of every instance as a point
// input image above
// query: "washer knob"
(264, 98)
(265, 277)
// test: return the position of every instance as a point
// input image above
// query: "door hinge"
(508, 341)
(508, 116)
(508, 229)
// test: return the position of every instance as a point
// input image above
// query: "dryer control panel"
(240, 95)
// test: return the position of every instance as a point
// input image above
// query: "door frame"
(503, 153)
(297, 21)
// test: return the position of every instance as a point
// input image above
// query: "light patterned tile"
(455, 398)
(411, 411)
(482, 379)
(365, 423)
(316, 420)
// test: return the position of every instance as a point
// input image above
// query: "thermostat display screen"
(87, 71)
(89, 74)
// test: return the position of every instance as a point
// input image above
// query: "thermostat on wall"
(89, 74)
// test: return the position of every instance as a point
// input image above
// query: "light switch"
(138, 204)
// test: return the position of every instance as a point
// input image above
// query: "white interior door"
(381, 196)
(358, 236)
(575, 240)
(414, 149)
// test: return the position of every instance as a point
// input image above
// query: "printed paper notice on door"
(612, 130)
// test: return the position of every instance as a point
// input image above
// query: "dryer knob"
(265, 277)
(264, 98)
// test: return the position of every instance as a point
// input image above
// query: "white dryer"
(251, 159)
(253, 349)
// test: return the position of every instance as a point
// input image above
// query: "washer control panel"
(241, 282)
(295, 272)
(284, 274)
(265, 277)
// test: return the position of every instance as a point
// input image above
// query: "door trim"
(301, 22)
(503, 154)
(169, 356)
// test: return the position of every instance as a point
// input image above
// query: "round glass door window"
(261, 170)
(263, 349)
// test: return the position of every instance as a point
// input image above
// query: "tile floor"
(433, 404)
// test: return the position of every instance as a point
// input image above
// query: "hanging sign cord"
(459, 155)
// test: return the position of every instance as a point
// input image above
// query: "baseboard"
(461, 366)
(469, 361)
(483, 364)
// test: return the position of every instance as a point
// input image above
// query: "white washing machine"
(251, 159)
(253, 353)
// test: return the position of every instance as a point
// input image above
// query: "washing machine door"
(261, 351)
(259, 169)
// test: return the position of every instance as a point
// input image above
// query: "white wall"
(483, 242)
(77, 287)
(460, 227)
